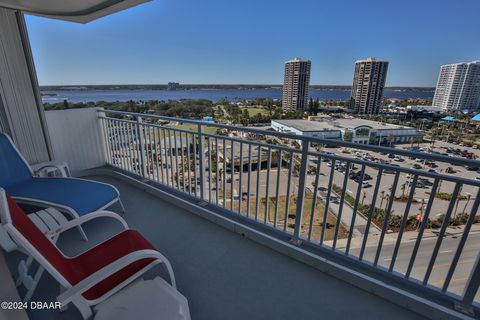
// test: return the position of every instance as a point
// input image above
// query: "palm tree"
(439, 186)
(387, 198)
(469, 196)
(403, 188)
(456, 208)
(270, 107)
(391, 137)
(382, 197)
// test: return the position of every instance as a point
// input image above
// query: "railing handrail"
(340, 143)
(385, 166)
(201, 160)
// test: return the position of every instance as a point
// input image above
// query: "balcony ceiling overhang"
(81, 11)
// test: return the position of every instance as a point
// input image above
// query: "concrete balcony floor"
(222, 274)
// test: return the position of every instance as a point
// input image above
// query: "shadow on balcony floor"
(222, 274)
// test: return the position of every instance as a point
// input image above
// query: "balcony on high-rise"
(255, 225)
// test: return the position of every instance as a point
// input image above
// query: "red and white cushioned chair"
(94, 276)
(47, 220)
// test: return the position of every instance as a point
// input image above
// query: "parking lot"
(423, 187)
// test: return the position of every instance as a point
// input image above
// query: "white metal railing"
(391, 219)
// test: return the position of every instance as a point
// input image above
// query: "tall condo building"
(458, 86)
(368, 84)
(296, 84)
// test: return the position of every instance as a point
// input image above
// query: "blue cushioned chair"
(73, 196)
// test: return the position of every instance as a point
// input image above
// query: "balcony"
(223, 274)
(265, 228)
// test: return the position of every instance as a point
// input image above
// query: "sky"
(248, 41)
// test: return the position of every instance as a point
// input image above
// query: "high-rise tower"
(368, 85)
(296, 85)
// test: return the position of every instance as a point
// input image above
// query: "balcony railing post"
(201, 161)
(301, 192)
(470, 290)
(141, 145)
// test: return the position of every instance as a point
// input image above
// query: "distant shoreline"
(215, 87)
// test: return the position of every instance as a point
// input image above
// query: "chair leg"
(63, 307)
(26, 280)
(36, 280)
(23, 270)
(84, 309)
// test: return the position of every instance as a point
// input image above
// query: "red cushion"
(76, 269)
(107, 252)
(36, 237)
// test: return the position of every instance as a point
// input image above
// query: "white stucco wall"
(77, 138)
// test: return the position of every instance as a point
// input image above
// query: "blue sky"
(247, 41)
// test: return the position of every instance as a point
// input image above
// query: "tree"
(313, 107)
(245, 117)
(391, 138)
(469, 196)
(310, 106)
(403, 188)
(382, 197)
(270, 107)
(387, 198)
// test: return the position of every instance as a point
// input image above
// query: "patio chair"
(73, 196)
(48, 221)
(95, 275)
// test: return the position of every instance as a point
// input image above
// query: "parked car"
(322, 189)
(471, 168)
(366, 184)
(334, 200)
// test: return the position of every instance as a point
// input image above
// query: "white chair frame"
(74, 293)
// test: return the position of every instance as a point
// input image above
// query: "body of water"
(210, 94)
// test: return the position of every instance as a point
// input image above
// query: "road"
(442, 263)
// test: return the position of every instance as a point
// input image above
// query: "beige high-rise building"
(296, 84)
(458, 86)
(368, 84)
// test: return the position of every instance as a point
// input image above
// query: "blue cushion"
(83, 196)
(12, 167)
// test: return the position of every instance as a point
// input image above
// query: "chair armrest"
(81, 220)
(74, 292)
(60, 166)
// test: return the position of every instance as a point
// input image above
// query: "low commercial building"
(420, 108)
(350, 129)
(307, 128)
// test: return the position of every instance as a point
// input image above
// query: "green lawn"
(193, 127)
(254, 111)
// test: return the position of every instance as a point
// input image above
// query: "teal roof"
(476, 117)
(449, 118)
